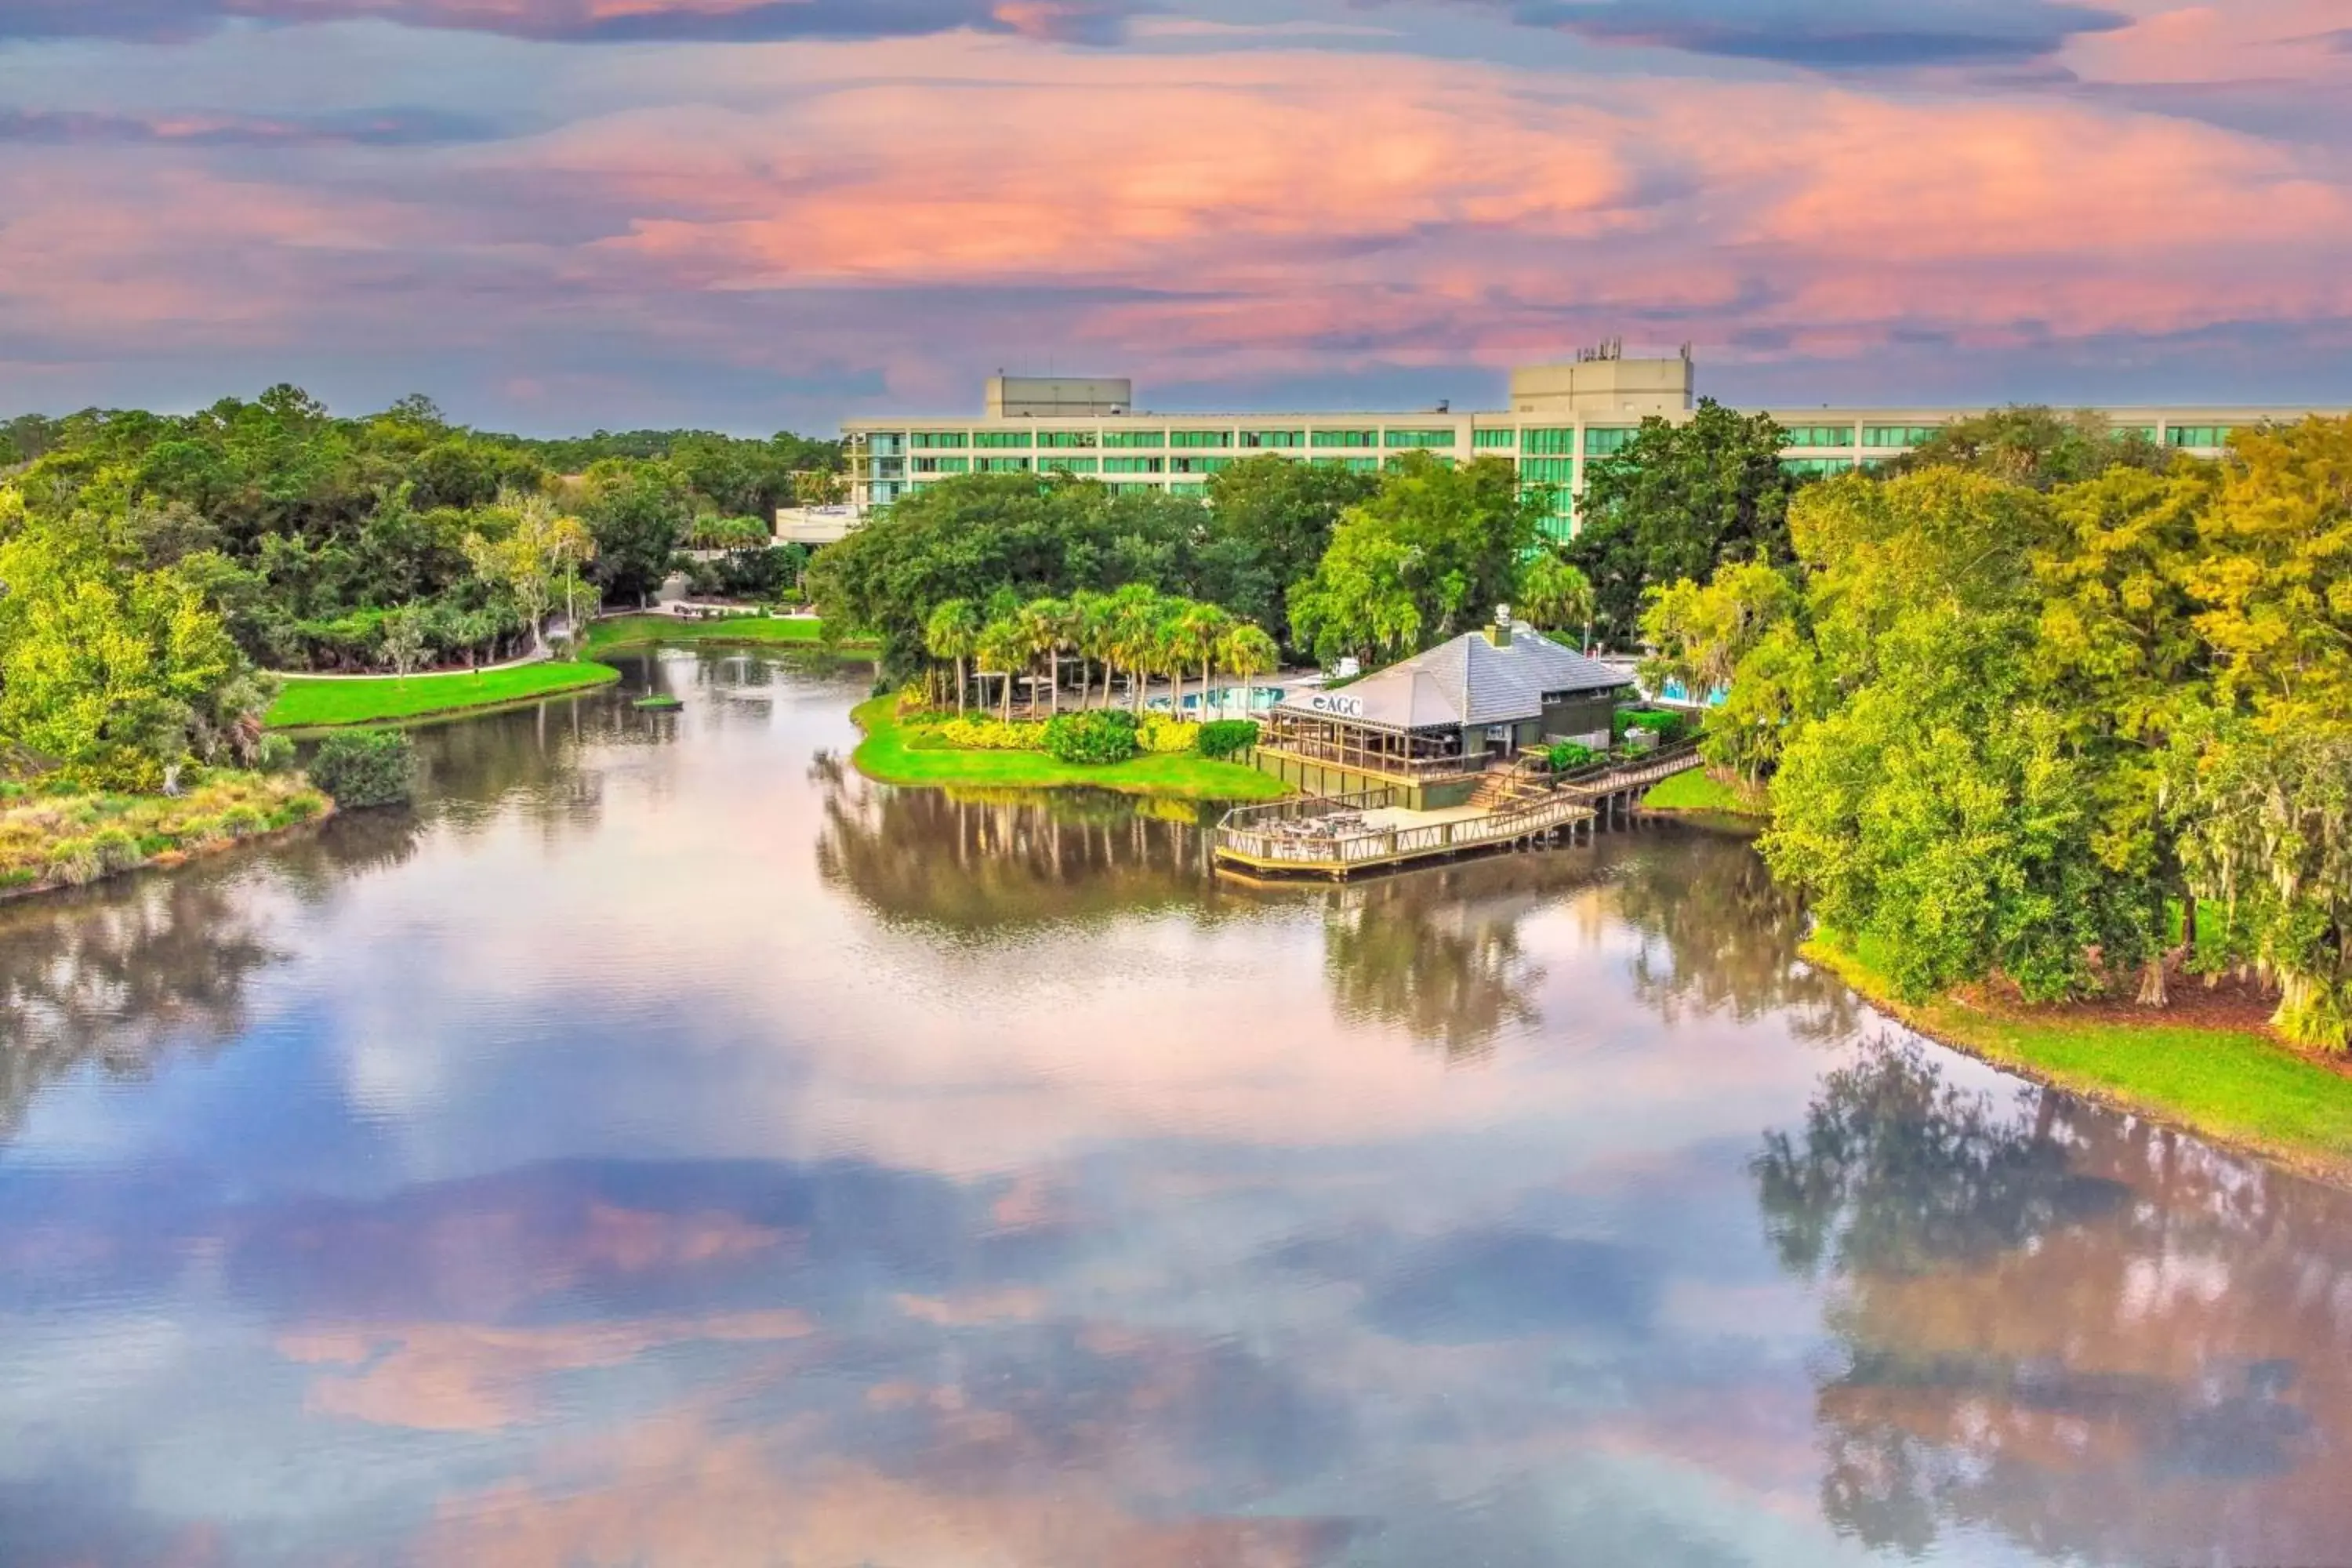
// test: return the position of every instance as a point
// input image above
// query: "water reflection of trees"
(978, 861)
(118, 976)
(2098, 1338)
(1721, 936)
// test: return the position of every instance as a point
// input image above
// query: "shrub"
(1570, 755)
(74, 861)
(1163, 734)
(243, 822)
(195, 832)
(1665, 728)
(365, 767)
(1225, 737)
(115, 849)
(1092, 739)
(987, 735)
(274, 755)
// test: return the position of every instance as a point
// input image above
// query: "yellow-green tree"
(531, 547)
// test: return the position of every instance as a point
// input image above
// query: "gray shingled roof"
(1469, 681)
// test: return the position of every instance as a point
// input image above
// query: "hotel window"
(1548, 470)
(1602, 440)
(1351, 465)
(1273, 439)
(1494, 440)
(1421, 439)
(1200, 438)
(1135, 437)
(953, 440)
(889, 467)
(1065, 437)
(1199, 464)
(1002, 465)
(1197, 491)
(1067, 465)
(885, 444)
(1130, 487)
(1816, 467)
(1346, 438)
(1896, 435)
(2214, 435)
(942, 465)
(1547, 443)
(999, 438)
(1821, 435)
(1132, 465)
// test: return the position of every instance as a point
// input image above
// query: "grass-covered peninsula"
(620, 632)
(308, 702)
(65, 839)
(899, 752)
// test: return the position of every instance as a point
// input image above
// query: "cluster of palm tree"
(1137, 631)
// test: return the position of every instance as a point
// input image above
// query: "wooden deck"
(1270, 840)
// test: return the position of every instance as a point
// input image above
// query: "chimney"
(1500, 634)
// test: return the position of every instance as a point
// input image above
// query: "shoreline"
(2236, 1088)
(309, 805)
(884, 756)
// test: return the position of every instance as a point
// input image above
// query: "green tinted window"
(1198, 465)
(942, 465)
(1002, 465)
(1821, 435)
(2198, 434)
(1197, 491)
(935, 439)
(1601, 440)
(1898, 435)
(1065, 437)
(1816, 467)
(1347, 438)
(999, 437)
(1494, 440)
(1200, 438)
(1421, 438)
(1548, 470)
(1068, 465)
(1135, 437)
(1280, 439)
(1547, 443)
(1130, 465)
(1129, 488)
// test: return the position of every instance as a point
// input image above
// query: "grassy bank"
(895, 753)
(311, 702)
(2233, 1085)
(1701, 791)
(64, 840)
(645, 631)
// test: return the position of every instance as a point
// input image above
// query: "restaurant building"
(1435, 722)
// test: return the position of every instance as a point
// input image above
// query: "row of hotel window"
(1600, 440)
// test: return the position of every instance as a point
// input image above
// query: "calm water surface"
(666, 1148)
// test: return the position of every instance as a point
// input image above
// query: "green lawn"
(891, 753)
(2236, 1086)
(1699, 790)
(644, 631)
(309, 702)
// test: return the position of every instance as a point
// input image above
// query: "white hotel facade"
(1562, 418)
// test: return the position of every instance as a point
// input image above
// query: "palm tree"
(1134, 636)
(1046, 623)
(1554, 594)
(1201, 628)
(1004, 644)
(1170, 648)
(1090, 635)
(953, 632)
(1249, 652)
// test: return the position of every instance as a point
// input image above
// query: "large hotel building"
(1561, 418)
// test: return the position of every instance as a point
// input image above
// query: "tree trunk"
(2151, 981)
(2188, 925)
(1054, 680)
(958, 686)
(1007, 678)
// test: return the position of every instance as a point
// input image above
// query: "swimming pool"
(1226, 703)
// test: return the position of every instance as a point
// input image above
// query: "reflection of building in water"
(2102, 1339)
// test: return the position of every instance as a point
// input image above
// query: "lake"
(664, 1147)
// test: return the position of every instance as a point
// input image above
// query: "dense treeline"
(1336, 563)
(153, 564)
(2047, 702)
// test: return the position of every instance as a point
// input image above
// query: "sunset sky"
(554, 215)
